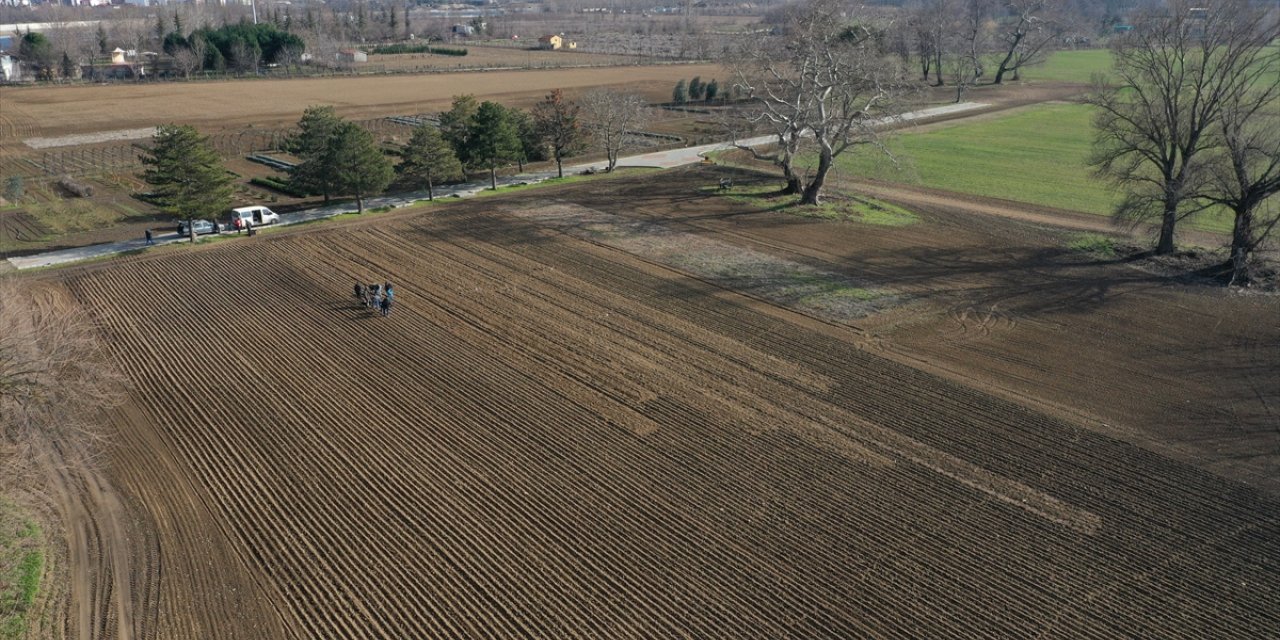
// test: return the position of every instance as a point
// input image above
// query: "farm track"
(550, 438)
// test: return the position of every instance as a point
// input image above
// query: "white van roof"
(248, 209)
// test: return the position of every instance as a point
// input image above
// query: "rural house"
(555, 42)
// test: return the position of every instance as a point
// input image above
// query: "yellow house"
(550, 42)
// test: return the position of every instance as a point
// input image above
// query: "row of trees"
(1189, 119)
(696, 90)
(338, 157)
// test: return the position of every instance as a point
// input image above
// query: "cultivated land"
(558, 435)
(214, 106)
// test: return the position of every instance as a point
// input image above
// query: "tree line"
(340, 158)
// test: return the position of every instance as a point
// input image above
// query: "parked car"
(201, 226)
(257, 216)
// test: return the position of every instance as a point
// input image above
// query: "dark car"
(201, 226)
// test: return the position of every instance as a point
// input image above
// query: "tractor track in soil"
(553, 438)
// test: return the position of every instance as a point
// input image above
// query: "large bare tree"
(825, 78)
(1156, 113)
(1245, 176)
(55, 378)
(1026, 33)
(607, 115)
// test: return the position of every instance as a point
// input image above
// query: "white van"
(257, 216)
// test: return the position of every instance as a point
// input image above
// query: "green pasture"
(1076, 66)
(1037, 155)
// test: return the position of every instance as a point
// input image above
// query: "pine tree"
(696, 89)
(712, 90)
(427, 158)
(494, 139)
(393, 21)
(680, 94)
(456, 124)
(310, 144)
(190, 182)
(102, 40)
(407, 30)
(359, 166)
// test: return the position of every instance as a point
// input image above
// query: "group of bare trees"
(1189, 119)
(827, 82)
(955, 41)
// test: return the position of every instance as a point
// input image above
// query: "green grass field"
(1069, 66)
(1037, 155)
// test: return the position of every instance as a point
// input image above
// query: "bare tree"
(1026, 34)
(190, 59)
(825, 78)
(1248, 172)
(607, 115)
(55, 378)
(1174, 74)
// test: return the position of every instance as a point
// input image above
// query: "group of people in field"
(378, 297)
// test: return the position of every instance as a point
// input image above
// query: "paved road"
(661, 159)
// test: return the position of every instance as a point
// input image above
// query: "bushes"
(278, 185)
(388, 49)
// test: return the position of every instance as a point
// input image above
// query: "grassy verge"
(836, 207)
(1094, 244)
(21, 567)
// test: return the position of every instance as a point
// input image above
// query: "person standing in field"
(388, 294)
(150, 241)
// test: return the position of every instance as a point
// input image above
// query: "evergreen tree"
(696, 89)
(680, 94)
(161, 27)
(455, 125)
(393, 21)
(408, 31)
(712, 90)
(358, 166)
(102, 40)
(494, 139)
(68, 67)
(532, 147)
(177, 22)
(310, 144)
(427, 158)
(190, 182)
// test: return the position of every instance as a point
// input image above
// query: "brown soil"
(217, 106)
(552, 437)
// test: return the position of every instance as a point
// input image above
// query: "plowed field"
(553, 438)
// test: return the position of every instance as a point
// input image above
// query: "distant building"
(352, 56)
(117, 56)
(464, 30)
(10, 69)
(550, 42)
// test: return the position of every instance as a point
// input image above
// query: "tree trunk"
(1008, 57)
(359, 203)
(191, 230)
(559, 168)
(1242, 243)
(493, 176)
(431, 192)
(1167, 222)
(813, 191)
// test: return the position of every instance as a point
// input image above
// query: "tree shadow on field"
(1027, 279)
